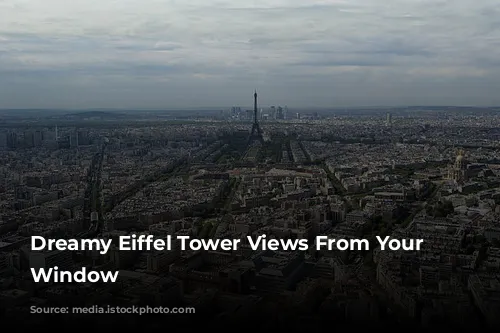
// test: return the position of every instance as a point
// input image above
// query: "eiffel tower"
(256, 134)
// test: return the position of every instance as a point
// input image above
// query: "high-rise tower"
(255, 108)
(256, 133)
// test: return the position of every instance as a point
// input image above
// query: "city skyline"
(430, 176)
(169, 54)
(283, 165)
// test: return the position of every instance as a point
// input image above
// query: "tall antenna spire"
(255, 107)
(256, 131)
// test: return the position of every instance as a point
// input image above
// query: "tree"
(441, 209)
(479, 239)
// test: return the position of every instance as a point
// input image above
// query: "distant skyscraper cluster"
(270, 113)
(278, 113)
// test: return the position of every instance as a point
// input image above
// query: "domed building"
(458, 172)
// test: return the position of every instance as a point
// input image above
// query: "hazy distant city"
(294, 120)
(412, 172)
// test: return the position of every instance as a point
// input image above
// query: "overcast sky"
(190, 53)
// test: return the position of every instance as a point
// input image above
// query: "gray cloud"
(151, 53)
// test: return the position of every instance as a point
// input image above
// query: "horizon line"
(229, 107)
